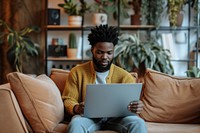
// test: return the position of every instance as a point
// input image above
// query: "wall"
(19, 14)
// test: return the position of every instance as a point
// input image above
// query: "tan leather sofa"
(172, 105)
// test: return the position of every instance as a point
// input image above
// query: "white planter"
(180, 37)
(100, 18)
(74, 20)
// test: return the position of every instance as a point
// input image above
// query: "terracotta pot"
(72, 53)
(136, 19)
(74, 20)
(179, 20)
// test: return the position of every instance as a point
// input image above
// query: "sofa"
(33, 104)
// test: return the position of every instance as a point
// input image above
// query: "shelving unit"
(82, 31)
(186, 59)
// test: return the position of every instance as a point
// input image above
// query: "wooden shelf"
(66, 59)
(63, 59)
(63, 27)
(122, 27)
(137, 27)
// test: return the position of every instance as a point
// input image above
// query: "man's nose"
(105, 56)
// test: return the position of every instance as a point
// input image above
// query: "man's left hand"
(136, 107)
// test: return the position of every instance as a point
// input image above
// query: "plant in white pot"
(72, 46)
(134, 55)
(101, 9)
(20, 44)
(75, 11)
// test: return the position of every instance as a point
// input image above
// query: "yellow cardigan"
(83, 74)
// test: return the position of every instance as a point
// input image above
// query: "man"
(99, 71)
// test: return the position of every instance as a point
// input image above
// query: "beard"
(99, 67)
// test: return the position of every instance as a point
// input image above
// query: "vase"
(74, 20)
(177, 20)
(100, 18)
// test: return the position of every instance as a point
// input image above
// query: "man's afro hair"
(103, 33)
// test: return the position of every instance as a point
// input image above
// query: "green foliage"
(103, 6)
(19, 44)
(73, 8)
(193, 72)
(196, 5)
(174, 8)
(151, 11)
(111, 7)
(123, 12)
(72, 40)
(130, 53)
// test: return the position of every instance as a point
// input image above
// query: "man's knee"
(76, 121)
(137, 125)
(140, 121)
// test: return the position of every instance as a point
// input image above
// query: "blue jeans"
(129, 124)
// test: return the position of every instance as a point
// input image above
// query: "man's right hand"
(79, 108)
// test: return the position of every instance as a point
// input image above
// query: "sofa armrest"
(11, 118)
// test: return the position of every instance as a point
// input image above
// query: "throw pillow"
(39, 99)
(170, 99)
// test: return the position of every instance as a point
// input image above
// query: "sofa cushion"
(39, 99)
(170, 99)
(172, 128)
(59, 77)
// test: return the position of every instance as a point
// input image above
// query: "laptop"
(110, 100)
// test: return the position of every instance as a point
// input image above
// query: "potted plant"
(75, 11)
(151, 11)
(124, 10)
(110, 7)
(101, 9)
(20, 44)
(174, 10)
(193, 72)
(72, 46)
(134, 55)
(136, 17)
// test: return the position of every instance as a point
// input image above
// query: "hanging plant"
(151, 11)
(174, 9)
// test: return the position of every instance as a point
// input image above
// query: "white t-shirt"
(101, 77)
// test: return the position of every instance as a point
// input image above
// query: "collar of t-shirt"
(101, 77)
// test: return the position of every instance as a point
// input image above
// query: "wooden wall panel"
(19, 14)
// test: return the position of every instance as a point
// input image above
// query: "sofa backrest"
(170, 99)
(59, 76)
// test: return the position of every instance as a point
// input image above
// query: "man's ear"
(91, 49)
